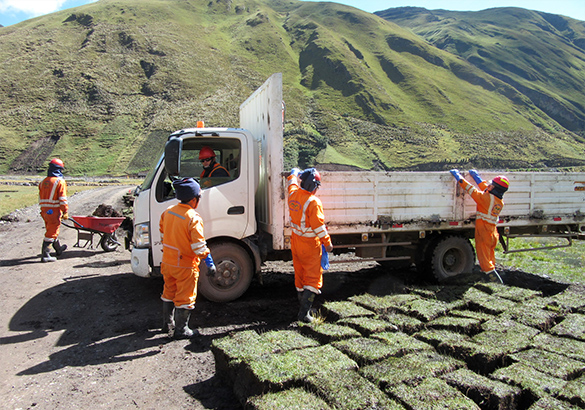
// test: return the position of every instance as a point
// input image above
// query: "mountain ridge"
(102, 85)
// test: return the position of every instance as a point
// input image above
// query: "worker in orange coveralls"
(308, 234)
(210, 167)
(184, 245)
(489, 205)
(54, 208)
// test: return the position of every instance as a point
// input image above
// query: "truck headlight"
(141, 235)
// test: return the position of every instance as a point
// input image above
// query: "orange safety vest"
(306, 213)
(181, 230)
(53, 194)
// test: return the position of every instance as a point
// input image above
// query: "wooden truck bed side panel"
(368, 201)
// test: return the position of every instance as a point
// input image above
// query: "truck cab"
(226, 206)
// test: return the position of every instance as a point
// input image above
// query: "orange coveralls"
(308, 233)
(53, 203)
(181, 230)
(486, 234)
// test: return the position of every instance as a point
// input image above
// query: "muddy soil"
(83, 332)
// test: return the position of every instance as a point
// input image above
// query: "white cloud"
(31, 7)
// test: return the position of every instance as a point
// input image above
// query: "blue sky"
(14, 11)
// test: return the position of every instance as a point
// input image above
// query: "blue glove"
(475, 175)
(295, 171)
(211, 269)
(324, 258)
(456, 174)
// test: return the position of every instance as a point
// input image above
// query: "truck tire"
(452, 256)
(234, 273)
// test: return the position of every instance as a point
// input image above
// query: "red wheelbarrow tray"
(98, 223)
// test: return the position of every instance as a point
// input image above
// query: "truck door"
(226, 205)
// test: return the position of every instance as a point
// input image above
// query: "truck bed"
(365, 201)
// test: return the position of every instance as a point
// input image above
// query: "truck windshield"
(222, 167)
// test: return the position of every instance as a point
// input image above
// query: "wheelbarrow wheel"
(109, 242)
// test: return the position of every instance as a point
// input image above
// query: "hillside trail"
(84, 332)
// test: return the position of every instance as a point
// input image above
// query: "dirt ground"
(83, 332)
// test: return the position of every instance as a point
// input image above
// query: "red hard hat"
(206, 152)
(501, 181)
(57, 162)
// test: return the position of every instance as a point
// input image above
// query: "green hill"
(101, 86)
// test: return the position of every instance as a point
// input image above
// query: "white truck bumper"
(139, 262)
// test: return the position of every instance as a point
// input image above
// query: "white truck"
(395, 218)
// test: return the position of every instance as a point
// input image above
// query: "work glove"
(295, 171)
(211, 269)
(456, 174)
(65, 216)
(475, 175)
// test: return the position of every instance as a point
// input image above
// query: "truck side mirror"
(173, 149)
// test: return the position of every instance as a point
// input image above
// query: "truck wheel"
(233, 277)
(452, 256)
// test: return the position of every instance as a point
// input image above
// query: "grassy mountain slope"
(102, 85)
(541, 55)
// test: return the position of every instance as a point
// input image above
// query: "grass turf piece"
(538, 384)
(472, 314)
(456, 324)
(435, 337)
(554, 364)
(431, 394)
(403, 322)
(549, 403)
(328, 332)
(572, 326)
(345, 309)
(402, 343)
(503, 324)
(367, 326)
(364, 350)
(348, 390)
(531, 314)
(276, 372)
(572, 348)
(409, 368)
(382, 304)
(574, 392)
(513, 293)
(488, 393)
(292, 399)
(478, 300)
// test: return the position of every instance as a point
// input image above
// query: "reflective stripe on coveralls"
(486, 233)
(183, 247)
(53, 203)
(309, 231)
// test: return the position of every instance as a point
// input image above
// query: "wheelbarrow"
(104, 227)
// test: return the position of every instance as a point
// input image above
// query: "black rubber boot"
(168, 317)
(494, 277)
(45, 255)
(59, 249)
(306, 304)
(182, 330)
